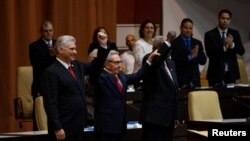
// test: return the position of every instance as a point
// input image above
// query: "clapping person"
(188, 54)
(222, 44)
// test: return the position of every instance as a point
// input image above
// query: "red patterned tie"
(118, 83)
(72, 71)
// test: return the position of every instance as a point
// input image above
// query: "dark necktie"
(188, 43)
(72, 71)
(118, 83)
(223, 37)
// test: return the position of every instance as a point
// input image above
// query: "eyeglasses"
(115, 62)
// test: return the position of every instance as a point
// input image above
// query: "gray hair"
(111, 53)
(158, 41)
(64, 40)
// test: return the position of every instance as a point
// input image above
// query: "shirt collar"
(220, 30)
(48, 42)
(63, 63)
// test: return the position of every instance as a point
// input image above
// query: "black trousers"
(153, 132)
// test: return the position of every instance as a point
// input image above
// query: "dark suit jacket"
(159, 105)
(40, 59)
(64, 96)
(110, 104)
(187, 70)
(217, 56)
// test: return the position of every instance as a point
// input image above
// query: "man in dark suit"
(62, 87)
(41, 55)
(188, 54)
(222, 44)
(110, 97)
(159, 104)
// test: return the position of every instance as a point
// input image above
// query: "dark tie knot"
(223, 34)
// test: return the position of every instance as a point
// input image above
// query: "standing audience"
(92, 52)
(62, 87)
(188, 54)
(159, 104)
(127, 57)
(222, 44)
(41, 55)
(144, 45)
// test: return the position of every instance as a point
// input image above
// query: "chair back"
(41, 117)
(243, 72)
(24, 81)
(204, 105)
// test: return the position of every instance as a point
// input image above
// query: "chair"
(204, 105)
(243, 73)
(24, 81)
(41, 117)
(23, 102)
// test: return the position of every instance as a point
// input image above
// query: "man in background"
(188, 54)
(222, 44)
(127, 57)
(41, 55)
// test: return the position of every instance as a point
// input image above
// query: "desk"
(133, 134)
(234, 102)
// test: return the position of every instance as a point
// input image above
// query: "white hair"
(111, 53)
(158, 41)
(64, 40)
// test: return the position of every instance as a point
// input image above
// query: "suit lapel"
(174, 77)
(167, 76)
(182, 45)
(218, 39)
(68, 76)
(111, 79)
